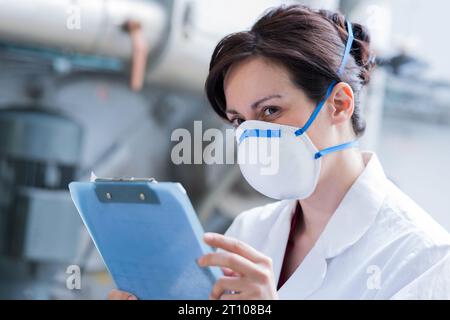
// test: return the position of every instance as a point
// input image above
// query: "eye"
(268, 111)
(236, 122)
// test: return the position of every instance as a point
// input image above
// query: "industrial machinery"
(39, 154)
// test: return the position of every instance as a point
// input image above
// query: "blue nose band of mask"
(301, 131)
(260, 133)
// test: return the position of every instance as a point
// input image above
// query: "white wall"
(422, 25)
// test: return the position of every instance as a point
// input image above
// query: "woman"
(341, 229)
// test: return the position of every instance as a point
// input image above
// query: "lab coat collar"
(349, 223)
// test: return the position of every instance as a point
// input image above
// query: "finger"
(237, 296)
(229, 273)
(234, 245)
(120, 295)
(228, 260)
(226, 284)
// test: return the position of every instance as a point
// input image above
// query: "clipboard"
(148, 236)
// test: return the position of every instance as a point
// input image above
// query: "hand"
(247, 272)
(120, 295)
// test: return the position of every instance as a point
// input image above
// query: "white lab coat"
(377, 245)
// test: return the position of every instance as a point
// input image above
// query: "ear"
(343, 103)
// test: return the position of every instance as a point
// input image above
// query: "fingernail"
(132, 298)
(199, 262)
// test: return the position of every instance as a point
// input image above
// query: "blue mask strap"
(319, 107)
(348, 47)
(352, 144)
(316, 111)
(299, 132)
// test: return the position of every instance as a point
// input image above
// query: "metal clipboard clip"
(134, 193)
(94, 178)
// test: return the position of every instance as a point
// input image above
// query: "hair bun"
(361, 49)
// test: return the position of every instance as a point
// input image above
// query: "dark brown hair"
(310, 44)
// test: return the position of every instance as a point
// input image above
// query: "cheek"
(321, 131)
(294, 117)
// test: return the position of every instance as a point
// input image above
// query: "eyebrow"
(257, 103)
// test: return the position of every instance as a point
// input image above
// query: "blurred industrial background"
(99, 85)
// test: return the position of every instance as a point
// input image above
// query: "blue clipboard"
(148, 236)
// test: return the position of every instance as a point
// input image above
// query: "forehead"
(253, 78)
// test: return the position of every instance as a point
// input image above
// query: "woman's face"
(256, 89)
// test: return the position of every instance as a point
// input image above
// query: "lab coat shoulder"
(253, 226)
(419, 247)
(413, 219)
(432, 284)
